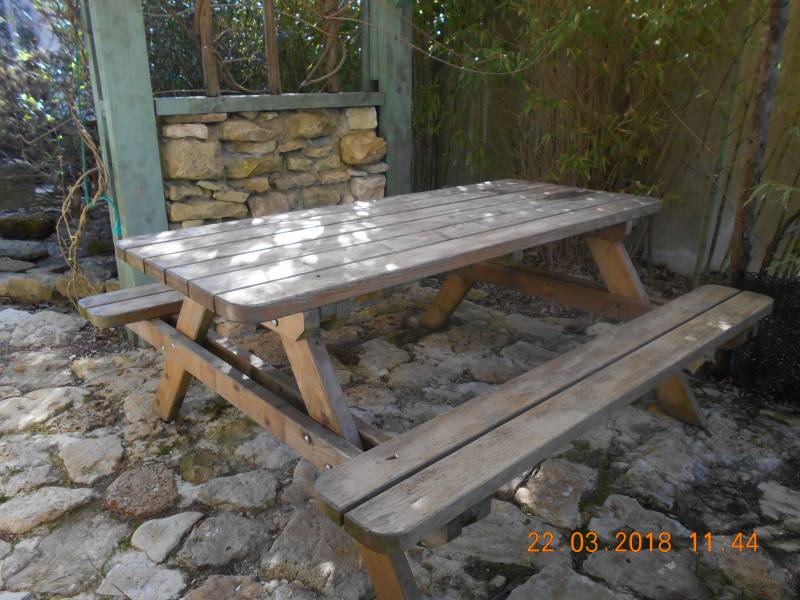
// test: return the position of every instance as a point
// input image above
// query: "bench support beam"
(315, 375)
(193, 322)
(390, 574)
(455, 288)
(675, 396)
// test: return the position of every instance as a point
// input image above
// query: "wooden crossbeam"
(566, 291)
(297, 430)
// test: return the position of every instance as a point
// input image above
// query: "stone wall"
(234, 165)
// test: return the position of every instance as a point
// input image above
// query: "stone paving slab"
(99, 498)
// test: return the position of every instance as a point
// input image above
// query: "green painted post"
(390, 57)
(126, 118)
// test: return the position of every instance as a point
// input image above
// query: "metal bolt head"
(274, 322)
(306, 438)
(329, 467)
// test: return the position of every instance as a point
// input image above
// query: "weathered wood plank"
(119, 295)
(213, 256)
(453, 290)
(489, 188)
(390, 574)
(281, 384)
(402, 515)
(196, 105)
(151, 306)
(406, 237)
(566, 291)
(296, 429)
(408, 453)
(468, 244)
(193, 322)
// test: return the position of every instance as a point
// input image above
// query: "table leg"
(390, 575)
(455, 288)
(315, 374)
(675, 397)
(193, 322)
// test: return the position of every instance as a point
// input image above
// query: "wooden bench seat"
(139, 303)
(394, 495)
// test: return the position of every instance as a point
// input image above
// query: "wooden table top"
(254, 270)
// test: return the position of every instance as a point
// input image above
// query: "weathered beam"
(193, 105)
(120, 75)
(297, 430)
(391, 57)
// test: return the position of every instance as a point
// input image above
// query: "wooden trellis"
(126, 110)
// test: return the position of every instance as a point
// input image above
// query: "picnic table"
(294, 272)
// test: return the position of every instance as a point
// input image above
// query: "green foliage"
(583, 93)
(175, 55)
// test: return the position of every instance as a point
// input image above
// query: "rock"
(255, 147)
(362, 148)
(5, 549)
(533, 329)
(378, 357)
(317, 553)
(493, 369)
(30, 287)
(751, 574)
(778, 502)
(142, 492)
(16, 596)
(24, 512)
(9, 319)
(555, 491)
(178, 190)
(526, 355)
(46, 328)
(320, 195)
(158, 537)
(291, 146)
(243, 166)
(204, 118)
(272, 203)
(17, 414)
(307, 125)
(295, 162)
(265, 451)
(89, 459)
(326, 163)
(368, 188)
(192, 159)
(232, 196)
(501, 538)
(380, 167)
(248, 491)
(191, 223)
(66, 561)
(229, 587)
(600, 329)
(302, 486)
(365, 117)
(559, 581)
(258, 184)
(320, 148)
(185, 130)
(654, 575)
(287, 181)
(23, 249)
(333, 176)
(243, 130)
(135, 577)
(220, 540)
(213, 186)
(12, 265)
(622, 513)
(202, 464)
(43, 368)
(204, 208)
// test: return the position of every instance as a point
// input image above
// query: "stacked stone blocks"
(235, 165)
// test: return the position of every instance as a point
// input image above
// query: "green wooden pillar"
(126, 118)
(390, 55)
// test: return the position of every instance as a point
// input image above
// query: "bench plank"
(465, 244)
(369, 474)
(135, 308)
(404, 514)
